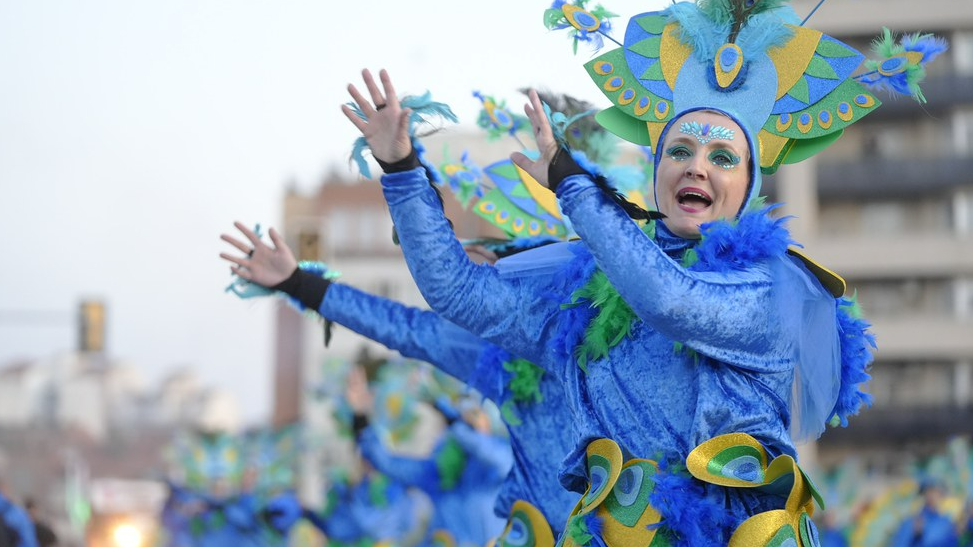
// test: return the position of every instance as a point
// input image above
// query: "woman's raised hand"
(386, 127)
(263, 264)
(543, 136)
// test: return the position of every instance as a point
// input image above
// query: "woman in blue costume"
(541, 429)
(682, 340)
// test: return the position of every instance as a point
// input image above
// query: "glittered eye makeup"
(679, 152)
(724, 158)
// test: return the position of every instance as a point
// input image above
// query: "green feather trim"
(731, 11)
(526, 378)
(450, 462)
(735, 12)
(853, 308)
(578, 530)
(614, 319)
(523, 387)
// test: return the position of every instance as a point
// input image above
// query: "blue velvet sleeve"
(731, 316)
(507, 311)
(415, 333)
(410, 471)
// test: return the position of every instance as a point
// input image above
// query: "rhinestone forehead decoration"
(706, 132)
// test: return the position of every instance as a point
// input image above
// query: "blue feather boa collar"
(598, 319)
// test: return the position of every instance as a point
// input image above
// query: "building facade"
(890, 207)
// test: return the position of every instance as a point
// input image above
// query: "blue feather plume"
(856, 358)
(902, 66)
(688, 517)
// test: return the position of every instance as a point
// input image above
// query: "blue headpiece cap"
(789, 87)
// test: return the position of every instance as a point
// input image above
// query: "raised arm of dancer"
(415, 333)
(509, 312)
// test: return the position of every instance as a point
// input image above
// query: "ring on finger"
(380, 106)
(250, 253)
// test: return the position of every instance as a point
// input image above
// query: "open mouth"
(693, 198)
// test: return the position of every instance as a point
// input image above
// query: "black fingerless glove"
(305, 287)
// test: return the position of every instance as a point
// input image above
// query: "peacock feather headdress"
(790, 87)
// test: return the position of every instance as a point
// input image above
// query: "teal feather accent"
(247, 289)
(582, 132)
(560, 123)
(424, 110)
(706, 27)
(697, 30)
(358, 155)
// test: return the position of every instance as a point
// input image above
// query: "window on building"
(963, 298)
(906, 297)
(308, 246)
(961, 47)
(338, 230)
(963, 213)
(912, 384)
(963, 132)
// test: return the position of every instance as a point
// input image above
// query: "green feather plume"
(736, 12)
(614, 319)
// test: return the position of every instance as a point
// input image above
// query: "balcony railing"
(942, 93)
(891, 178)
(897, 426)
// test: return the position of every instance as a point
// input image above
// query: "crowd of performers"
(241, 490)
(655, 368)
(931, 506)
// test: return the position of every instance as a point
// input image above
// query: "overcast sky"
(132, 133)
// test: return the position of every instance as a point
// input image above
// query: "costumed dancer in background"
(682, 340)
(177, 512)
(16, 519)
(541, 430)
(462, 475)
(931, 526)
(375, 509)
